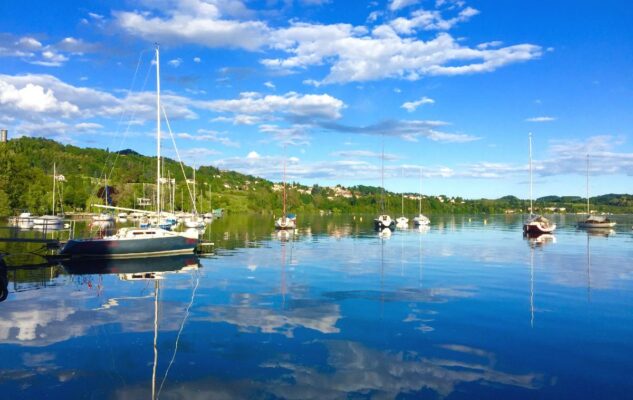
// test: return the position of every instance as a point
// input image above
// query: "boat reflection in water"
(133, 268)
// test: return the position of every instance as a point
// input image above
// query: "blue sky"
(450, 88)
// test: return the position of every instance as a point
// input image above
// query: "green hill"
(26, 169)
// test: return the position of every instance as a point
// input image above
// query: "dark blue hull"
(129, 248)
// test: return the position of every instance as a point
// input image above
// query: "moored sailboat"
(421, 219)
(131, 242)
(286, 221)
(383, 221)
(594, 221)
(536, 224)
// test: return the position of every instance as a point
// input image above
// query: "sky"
(447, 90)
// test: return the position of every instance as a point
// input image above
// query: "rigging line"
(182, 325)
(132, 115)
(138, 63)
(173, 140)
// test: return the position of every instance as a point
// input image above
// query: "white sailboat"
(421, 219)
(536, 224)
(53, 221)
(383, 221)
(131, 242)
(286, 221)
(594, 221)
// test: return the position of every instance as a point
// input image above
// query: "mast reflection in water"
(331, 311)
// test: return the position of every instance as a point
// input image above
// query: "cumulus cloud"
(430, 20)
(199, 22)
(291, 104)
(395, 5)
(33, 51)
(351, 53)
(411, 106)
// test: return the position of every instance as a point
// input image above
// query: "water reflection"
(333, 311)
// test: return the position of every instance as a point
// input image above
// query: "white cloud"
(175, 62)
(197, 60)
(253, 155)
(199, 22)
(540, 119)
(355, 56)
(209, 136)
(269, 85)
(292, 104)
(411, 106)
(395, 5)
(33, 51)
(351, 53)
(292, 136)
(430, 20)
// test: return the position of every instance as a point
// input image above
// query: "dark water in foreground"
(464, 310)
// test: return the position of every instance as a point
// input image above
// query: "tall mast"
(157, 130)
(284, 212)
(420, 197)
(588, 184)
(402, 206)
(195, 199)
(54, 179)
(531, 173)
(382, 177)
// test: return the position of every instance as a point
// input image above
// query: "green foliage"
(26, 182)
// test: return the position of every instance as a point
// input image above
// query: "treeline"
(26, 183)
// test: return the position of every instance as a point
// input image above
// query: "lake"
(466, 309)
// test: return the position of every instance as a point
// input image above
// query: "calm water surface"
(467, 309)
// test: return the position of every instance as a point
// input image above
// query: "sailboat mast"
(54, 188)
(284, 212)
(420, 197)
(382, 177)
(531, 210)
(157, 130)
(588, 213)
(195, 199)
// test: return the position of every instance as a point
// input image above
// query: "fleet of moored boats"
(155, 233)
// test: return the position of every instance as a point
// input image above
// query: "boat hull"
(129, 248)
(596, 225)
(537, 229)
(380, 225)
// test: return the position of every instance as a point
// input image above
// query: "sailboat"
(402, 222)
(286, 221)
(132, 242)
(49, 222)
(536, 224)
(195, 221)
(383, 221)
(421, 219)
(594, 221)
